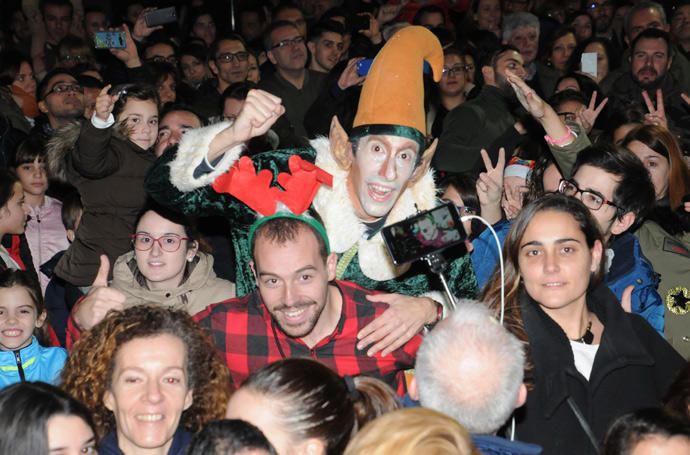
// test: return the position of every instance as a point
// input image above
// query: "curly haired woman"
(150, 377)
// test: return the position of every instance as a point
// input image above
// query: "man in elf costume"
(380, 175)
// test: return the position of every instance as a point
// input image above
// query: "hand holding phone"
(363, 66)
(110, 40)
(160, 16)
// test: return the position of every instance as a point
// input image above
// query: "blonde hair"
(410, 432)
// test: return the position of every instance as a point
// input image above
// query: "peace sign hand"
(490, 183)
(490, 187)
(589, 116)
(656, 115)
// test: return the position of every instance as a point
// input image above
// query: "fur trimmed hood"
(61, 144)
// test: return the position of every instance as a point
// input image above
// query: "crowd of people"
(194, 219)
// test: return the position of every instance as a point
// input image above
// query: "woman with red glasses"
(166, 267)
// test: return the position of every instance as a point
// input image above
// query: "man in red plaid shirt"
(299, 310)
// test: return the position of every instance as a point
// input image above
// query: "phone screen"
(109, 40)
(425, 233)
(588, 63)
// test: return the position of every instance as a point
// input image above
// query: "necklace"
(588, 336)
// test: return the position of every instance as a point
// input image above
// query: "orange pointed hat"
(392, 99)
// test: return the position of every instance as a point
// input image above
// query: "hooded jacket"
(108, 171)
(34, 363)
(199, 289)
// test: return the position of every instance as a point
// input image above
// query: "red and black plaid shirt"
(248, 338)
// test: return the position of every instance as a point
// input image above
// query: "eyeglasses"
(160, 59)
(76, 58)
(168, 242)
(453, 70)
(591, 199)
(288, 42)
(64, 88)
(228, 57)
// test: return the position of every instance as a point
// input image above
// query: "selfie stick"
(437, 264)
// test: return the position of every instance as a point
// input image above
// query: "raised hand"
(100, 300)
(589, 116)
(512, 200)
(349, 77)
(373, 32)
(656, 115)
(387, 13)
(141, 30)
(490, 183)
(129, 55)
(105, 103)
(259, 112)
(490, 186)
(526, 95)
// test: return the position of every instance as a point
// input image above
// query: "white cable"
(503, 290)
(500, 258)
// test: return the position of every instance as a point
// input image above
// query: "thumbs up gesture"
(100, 300)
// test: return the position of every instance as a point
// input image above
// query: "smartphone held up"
(110, 40)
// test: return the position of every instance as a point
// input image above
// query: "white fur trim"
(345, 228)
(333, 204)
(192, 151)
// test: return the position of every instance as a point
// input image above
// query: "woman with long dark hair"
(589, 361)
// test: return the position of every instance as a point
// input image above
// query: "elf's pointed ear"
(425, 162)
(341, 148)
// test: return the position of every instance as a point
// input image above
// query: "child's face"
(141, 120)
(13, 214)
(18, 318)
(33, 177)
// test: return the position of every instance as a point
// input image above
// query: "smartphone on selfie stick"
(424, 236)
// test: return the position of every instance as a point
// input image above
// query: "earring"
(190, 259)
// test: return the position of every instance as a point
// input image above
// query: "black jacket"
(632, 369)
(470, 127)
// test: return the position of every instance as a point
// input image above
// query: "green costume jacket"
(362, 258)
